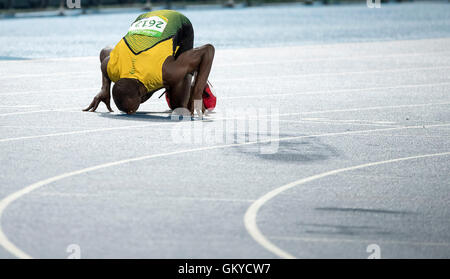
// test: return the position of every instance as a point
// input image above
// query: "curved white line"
(4, 203)
(252, 211)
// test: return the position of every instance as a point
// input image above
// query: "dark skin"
(177, 76)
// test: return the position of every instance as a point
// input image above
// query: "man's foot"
(167, 99)
(209, 99)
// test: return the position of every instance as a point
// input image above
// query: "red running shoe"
(167, 99)
(209, 99)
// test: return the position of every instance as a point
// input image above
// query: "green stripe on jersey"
(153, 27)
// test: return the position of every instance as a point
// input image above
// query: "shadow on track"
(148, 116)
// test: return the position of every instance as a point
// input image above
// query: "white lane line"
(40, 111)
(409, 136)
(255, 96)
(82, 74)
(5, 202)
(77, 109)
(56, 59)
(297, 60)
(334, 122)
(252, 212)
(206, 120)
(367, 108)
(84, 131)
(332, 74)
(250, 63)
(85, 73)
(328, 58)
(19, 106)
(337, 91)
(50, 91)
(340, 240)
(41, 127)
(350, 120)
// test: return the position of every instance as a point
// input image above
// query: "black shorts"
(184, 39)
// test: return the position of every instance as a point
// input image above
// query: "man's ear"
(142, 89)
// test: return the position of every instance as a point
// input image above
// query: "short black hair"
(126, 94)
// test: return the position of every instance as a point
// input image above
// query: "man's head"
(127, 94)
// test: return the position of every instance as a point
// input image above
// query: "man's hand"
(102, 96)
(197, 106)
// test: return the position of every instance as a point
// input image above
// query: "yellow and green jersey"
(143, 50)
(152, 28)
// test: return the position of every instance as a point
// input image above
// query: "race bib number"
(151, 26)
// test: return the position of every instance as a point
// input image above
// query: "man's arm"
(195, 60)
(105, 93)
